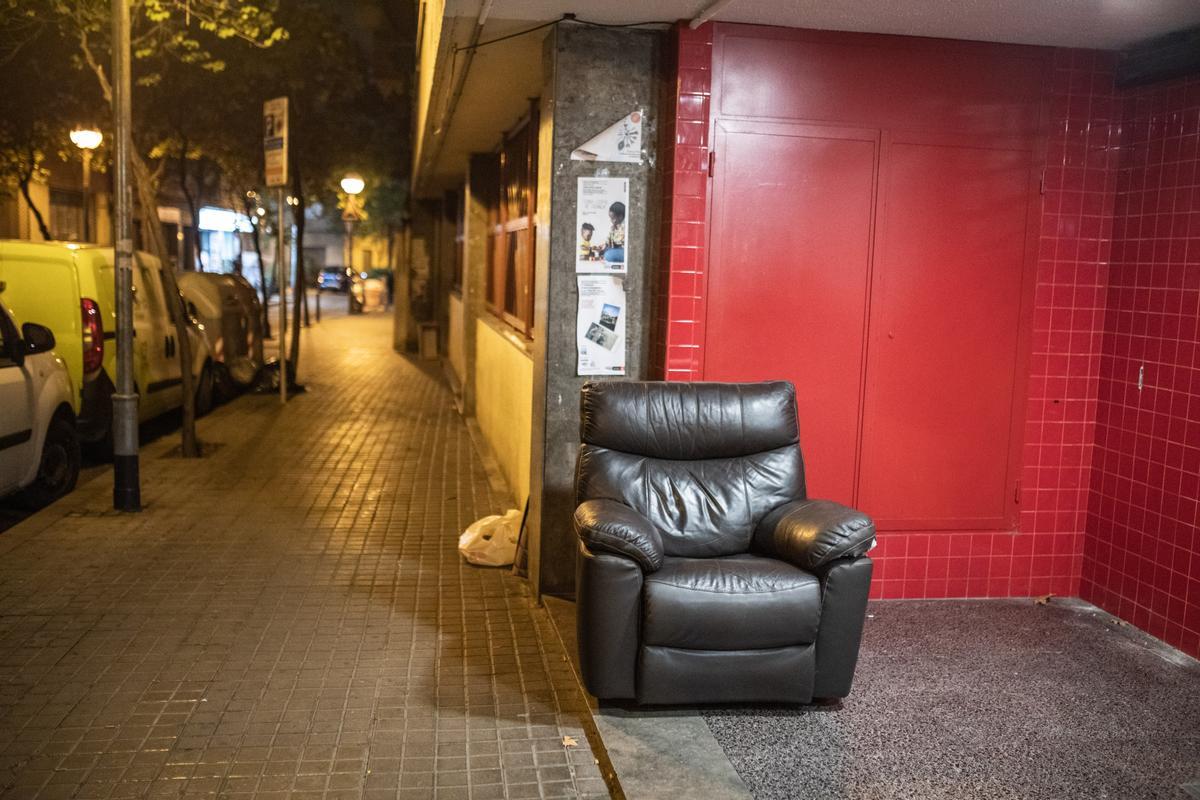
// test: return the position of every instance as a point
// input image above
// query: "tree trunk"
(152, 238)
(147, 197)
(299, 295)
(262, 270)
(190, 447)
(37, 215)
(191, 203)
(303, 277)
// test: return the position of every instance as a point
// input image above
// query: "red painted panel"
(790, 250)
(888, 82)
(942, 356)
(1084, 122)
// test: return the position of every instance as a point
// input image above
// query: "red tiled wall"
(685, 189)
(1046, 554)
(1142, 554)
(1068, 324)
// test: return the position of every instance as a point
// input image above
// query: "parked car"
(335, 279)
(39, 446)
(230, 316)
(69, 288)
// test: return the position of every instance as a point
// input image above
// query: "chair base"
(669, 675)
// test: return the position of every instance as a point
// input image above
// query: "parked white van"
(39, 447)
(230, 316)
(69, 289)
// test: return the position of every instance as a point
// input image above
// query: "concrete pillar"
(594, 77)
(482, 176)
(402, 318)
(447, 255)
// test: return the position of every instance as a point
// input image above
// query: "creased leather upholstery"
(617, 528)
(809, 533)
(608, 610)
(844, 587)
(674, 675)
(689, 421)
(700, 508)
(677, 484)
(738, 602)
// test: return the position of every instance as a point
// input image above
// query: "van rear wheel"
(205, 388)
(58, 470)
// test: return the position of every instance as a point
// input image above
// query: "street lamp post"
(352, 185)
(87, 140)
(127, 493)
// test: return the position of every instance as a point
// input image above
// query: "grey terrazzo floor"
(1002, 700)
(289, 617)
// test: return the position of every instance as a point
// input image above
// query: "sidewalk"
(288, 617)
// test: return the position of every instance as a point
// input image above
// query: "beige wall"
(504, 402)
(454, 339)
(17, 221)
(433, 18)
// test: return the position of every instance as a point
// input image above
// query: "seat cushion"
(741, 602)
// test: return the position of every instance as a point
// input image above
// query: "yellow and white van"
(69, 288)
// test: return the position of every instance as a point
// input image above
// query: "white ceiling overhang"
(503, 76)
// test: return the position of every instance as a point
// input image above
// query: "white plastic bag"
(491, 541)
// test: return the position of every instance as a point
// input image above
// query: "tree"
(386, 208)
(21, 156)
(341, 119)
(315, 68)
(43, 97)
(162, 31)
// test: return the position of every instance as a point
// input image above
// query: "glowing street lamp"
(352, 185)
(87, 140)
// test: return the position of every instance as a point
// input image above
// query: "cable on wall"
(564, 18)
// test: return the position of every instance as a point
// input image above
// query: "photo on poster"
(602, 206)
(604, 337)
(608, 316)
(600, 325)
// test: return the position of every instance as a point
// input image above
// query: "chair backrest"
(703, 461)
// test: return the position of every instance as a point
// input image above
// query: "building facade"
(977, 261)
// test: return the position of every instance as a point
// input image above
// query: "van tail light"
(93, 335)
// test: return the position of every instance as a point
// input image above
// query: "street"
(288, 613)
(333, 306)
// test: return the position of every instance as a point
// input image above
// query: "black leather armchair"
(705, 574)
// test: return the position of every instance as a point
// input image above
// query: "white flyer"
(621, 141)
(600, 325)
(601, 213)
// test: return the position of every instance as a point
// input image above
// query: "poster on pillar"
(600, 325)
(621, 142)
(601, 206)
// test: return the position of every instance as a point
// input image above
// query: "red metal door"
(943, 352)
(791, 246)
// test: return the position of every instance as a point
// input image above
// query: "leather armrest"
(612, 527)
(810, 533)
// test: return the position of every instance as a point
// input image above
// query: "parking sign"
(275, 141)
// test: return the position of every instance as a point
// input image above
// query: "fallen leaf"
(1044, 599)
(569, 741)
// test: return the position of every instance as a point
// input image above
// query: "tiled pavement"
(288, 617)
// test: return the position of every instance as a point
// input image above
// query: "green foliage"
(43, 98)
(202, 71)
